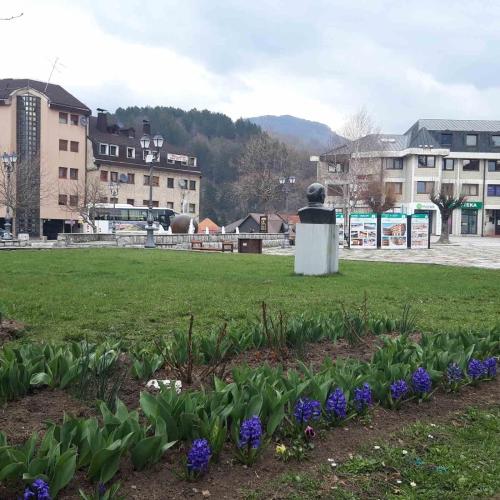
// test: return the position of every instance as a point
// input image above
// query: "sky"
(321, 60)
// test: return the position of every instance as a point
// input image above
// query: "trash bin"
(249, 245)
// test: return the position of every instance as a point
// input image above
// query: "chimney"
(146, 127)
(102, 120)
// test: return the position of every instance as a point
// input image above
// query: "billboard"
(363, 230)
(340, 223)
(394, 231)
(419, 231)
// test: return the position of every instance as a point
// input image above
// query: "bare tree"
(21, 193)
(263, 161)
(11, 17)
(84, 197)
(446, 203)
(378, 196)
(357, 165)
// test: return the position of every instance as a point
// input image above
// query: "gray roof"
(459, 125)
(373, 142)
(55, 93)
(423, 139)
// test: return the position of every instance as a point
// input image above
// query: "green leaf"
(64, 471)
(146, 451)
(41, 378)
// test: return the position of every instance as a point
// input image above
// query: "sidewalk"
(463, 251)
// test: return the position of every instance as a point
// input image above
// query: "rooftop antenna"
(54, 68)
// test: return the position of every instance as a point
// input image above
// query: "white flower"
(430, 436)
(376, 447)
(413, 485)
(405, 452)
(432, 425)
(398, 481)
(332, 462)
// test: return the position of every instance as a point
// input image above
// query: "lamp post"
(151, 158)
(114, 188)
(286, 185)
(9, 161)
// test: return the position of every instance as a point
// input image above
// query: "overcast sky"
(318, 59)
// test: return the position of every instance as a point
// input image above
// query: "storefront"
(469, 217)
(426, 208)
(492, 220)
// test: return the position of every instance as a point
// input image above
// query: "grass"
(461, 460)
(137, 293)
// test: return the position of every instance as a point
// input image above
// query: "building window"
(74, 146)
(145, 153)
(63, 118)
(447, 188)
(63, 145)
(170, 182)
(63, 173)
(493, 165)
(74, 119)
(146, 203)
(73, 200)
(130, 178)
(192, 208)
(425, 187)
(192, 161)
(192, 185)
(170, 159)
(103, 149)
(426, 161)
(104, 175)
(113, 150)
(471, 140)
(446, 139)
(170, 204)
(63, 199)
(183, 183)
(103, 199)
(470, 165)
(130, 152)
(394, 187)
(393, 163)
(73, 174)
(493, 190)
(113, 200)
(470, 189)
(469, 221)
(130, 201)
(448, 164)
(336, 168)
(155, 181)
(113, 177)
(495, 140)
(335, 190)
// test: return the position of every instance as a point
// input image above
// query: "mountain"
(314, 137)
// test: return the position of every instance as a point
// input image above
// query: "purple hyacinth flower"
(307, 409)
(491, 366)
(336, 404)
(362, 397)
(454, 373)
(476, 369)
(250, 433)
(399, 389)
(421, 381)
(199, 456)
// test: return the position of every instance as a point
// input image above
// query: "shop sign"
(472, 204)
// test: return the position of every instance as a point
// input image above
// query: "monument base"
(316, 249)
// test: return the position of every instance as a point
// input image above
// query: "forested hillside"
(232, 156)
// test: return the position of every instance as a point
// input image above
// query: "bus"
(128, 218)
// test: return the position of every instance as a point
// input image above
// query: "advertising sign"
(363, 230)
(264, 224)
(174, 158)
(419, 231)
(340, 223)
(394, 231)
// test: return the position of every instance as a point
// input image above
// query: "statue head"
(316, 194)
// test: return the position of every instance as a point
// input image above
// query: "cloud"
(320, 60)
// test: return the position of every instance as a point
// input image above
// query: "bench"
(227, 246)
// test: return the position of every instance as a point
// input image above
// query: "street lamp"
(9, 161)
(151, 158)
(286, 185)
(114, 188)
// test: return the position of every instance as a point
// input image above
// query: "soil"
(20, 418)
(10, 330)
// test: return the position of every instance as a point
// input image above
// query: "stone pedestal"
(316, 249)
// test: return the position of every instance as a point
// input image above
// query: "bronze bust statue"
(316, 212)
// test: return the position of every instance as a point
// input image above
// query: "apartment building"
(457, 156)
(119, 160)
(47, 127)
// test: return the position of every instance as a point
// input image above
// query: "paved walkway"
(463, 251)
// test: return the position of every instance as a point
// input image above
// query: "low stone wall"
(178, 241)
(13, 243)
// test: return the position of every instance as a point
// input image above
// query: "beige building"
(47, 127)
(458, 156)
(119, 159)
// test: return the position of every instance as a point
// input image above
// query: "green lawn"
(69, 293)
